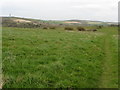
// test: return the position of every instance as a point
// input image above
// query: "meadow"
(37, 58)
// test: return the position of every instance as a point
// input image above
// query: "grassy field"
(36, 58)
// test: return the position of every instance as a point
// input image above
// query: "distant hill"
(88, 22)
(22, 22)
(25, 22)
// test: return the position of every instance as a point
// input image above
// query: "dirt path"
(106, 75)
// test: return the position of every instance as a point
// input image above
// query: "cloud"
(105, 10)
(87, 6)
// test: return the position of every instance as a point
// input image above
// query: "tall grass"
(37, 58)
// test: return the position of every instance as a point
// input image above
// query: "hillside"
(25, 22)
(89, 22)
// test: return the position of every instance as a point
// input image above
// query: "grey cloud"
(103, 10)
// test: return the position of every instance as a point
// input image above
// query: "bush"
(69, 28)
(94, 30)
(45, 28)
(52, 27)
(99, 27)
(80, 29)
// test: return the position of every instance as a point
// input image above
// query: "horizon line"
(59, 19)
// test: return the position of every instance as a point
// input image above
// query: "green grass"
(36, 58)
(0, 56)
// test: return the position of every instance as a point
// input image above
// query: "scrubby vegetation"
(69, 28)
(9, 23)
(52, 27)
(81, 29)
(45, 28)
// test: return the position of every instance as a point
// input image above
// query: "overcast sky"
(102, 10)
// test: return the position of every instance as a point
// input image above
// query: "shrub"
(69, 28)
(94, 30)
(99, 27)
(52, 27)
(45, 28)
(80, 29)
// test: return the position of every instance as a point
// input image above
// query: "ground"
(36, 58)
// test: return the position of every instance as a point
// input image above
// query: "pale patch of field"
(70, 31)
(116, 36)
(22, 21)
(1, 82)
(1, 86)
(94, 22)
(86, 32)
(72, 22)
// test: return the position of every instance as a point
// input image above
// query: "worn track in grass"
(107, 76)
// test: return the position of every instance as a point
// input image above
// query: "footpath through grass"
(109, 78)
(35, 58)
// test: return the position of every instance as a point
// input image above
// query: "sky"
(100, 10)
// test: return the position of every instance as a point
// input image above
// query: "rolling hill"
(25, 22)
